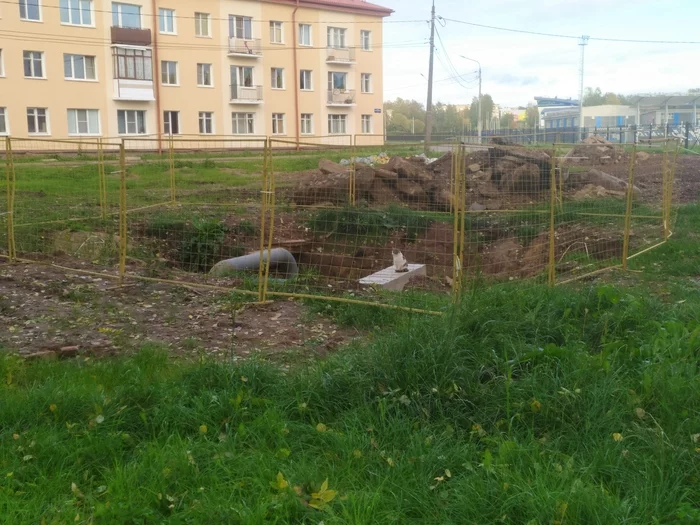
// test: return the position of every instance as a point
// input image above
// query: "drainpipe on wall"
(295, 30)
(155, 69)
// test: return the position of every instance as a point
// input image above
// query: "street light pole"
(478, 124)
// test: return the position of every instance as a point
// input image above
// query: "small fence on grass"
(141, 209)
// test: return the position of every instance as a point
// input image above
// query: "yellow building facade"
(298, 69)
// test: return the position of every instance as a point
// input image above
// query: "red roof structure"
(353, 6)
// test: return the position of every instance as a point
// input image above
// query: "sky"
(518, 67)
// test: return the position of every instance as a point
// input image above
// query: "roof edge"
(331, 5)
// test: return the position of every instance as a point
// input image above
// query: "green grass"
(522, 404)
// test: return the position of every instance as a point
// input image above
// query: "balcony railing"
(130, 36)
(246, 94)
(135, 90)
(249, 47)
(341, 97)
(337, 55)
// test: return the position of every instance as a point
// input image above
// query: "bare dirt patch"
(44, 309)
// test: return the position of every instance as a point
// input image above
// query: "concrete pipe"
(282, 263)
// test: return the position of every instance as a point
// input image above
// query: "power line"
(555, 35)
(185, 17)
(450, 66)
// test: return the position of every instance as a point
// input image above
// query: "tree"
(532, 116)
(593, 97)
(398, 123)
(507, 121)
(486, 111)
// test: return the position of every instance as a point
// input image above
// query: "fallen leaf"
(617, 436)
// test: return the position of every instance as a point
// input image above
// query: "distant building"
(593, 116)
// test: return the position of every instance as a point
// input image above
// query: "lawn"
(522, 404)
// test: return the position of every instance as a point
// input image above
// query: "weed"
(201, 244)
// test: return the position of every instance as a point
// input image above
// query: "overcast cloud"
(518, 67)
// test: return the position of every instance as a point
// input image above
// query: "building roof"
(656, 101)
(544, 102)
(354, 6)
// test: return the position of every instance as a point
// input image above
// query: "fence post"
(263, 216)
(271, 228)
(171, 160)
(687, 135)
(10, 178)
(628, 207)
(122, 212)
(102, 178)
(551, 274)
(353, 168)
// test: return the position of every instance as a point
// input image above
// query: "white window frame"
(274, 26)
(69, 11)
(199, 17)
(274, 78)
(302, 29)
(366, 119)
(278, 121)
(168, 121)
(2, 64)
(163, 73)
(120, 15)
(238, 72)
(36, 122)
(74, 113)
(307, 122)
(163, 17)
(233, 27)
(32, 59)
(365, 36)
(85, 68)
(366, 78)
(249, 119)
(336, 37)
(26, 11)
(206, 118)
(5, 119)
(331, 81)
(337, 118)
(135, 113)
(211, 75)
(310, 86)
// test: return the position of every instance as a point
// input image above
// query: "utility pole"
(429, 105)
(583, 43)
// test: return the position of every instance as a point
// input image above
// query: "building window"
(132, 64)
(131, 122)
(277, 78)
(83, 122)
(337, 81)
(38, 121)
(166, 21)
(278, 123)
(366, 83)
(4, 127)
(33, 64)
(304, 34)
(336, 38)
(367, 124)
(76, 12)
(202, 22)
(206, 122)
(242, 76)
(204, 76)
(366, 40)
(171, 122)
(79, 67)
(307, 124)
(337, 124)
(169, 73)
(243, 123)
(240, 27)
(2, 64)
(276, 32)
(30, 10)
(126, 15)
(305, 80)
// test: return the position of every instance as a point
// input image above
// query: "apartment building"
(299, 69)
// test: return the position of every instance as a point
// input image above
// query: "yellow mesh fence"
(342, 218)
